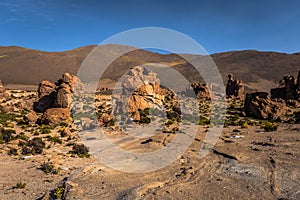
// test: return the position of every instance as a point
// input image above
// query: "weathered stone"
(142, 87)
(46, 95)
(55, 116)
(63, 97)
(45, 88)
(2, 88)
(289, 88)
(67, 78)
(201, 90)
(260, 105)
(58, 95)
(105, 119)
(31, 117)
(234, 88)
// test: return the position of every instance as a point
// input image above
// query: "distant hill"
(258, 70)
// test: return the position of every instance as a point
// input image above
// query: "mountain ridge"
(19, 65)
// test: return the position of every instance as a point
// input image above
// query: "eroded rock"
(289, 88)
(56, 116)
(234, 88)
(261, 106)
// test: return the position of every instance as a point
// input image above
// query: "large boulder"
(55, 116)
(63, 96)
(46, 95)
(58, 95)
(31, 117)
(260, 105)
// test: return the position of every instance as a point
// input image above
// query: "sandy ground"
(255, 165)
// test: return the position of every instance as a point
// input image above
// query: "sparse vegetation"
(54, 139)
(20, 185)
(34, 146)
(80, 150)
(269, 126)
(58, 192)
(48, 168)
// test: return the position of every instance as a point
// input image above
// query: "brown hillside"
(257, 69)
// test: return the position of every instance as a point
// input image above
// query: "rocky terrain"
(43, 155)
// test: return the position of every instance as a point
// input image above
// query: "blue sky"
(218, 25)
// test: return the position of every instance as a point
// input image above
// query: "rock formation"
(234, 88)
(56, 116)
(260, 105)
(289, 88)
(31, 117)
(201, 90)
(2, 91)
(46, 95)
(142, 88)
(55, 100)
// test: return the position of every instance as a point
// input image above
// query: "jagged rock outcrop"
(57, 95)
(260, 105)
(289, 88)
(234, 88)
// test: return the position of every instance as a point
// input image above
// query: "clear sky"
(218, 25)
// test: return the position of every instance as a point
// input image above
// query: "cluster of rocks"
(234, 88)
(289, 88)
(261, 106)
(55, 99)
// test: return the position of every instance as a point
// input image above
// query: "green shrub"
(80, 150)
(54, 139)
(21, 136)
(34, 146)
(48, 168)
(245, 125)
(6, 135)
(13, 151)
(20, 185)
(269, 126)
(58, 192)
